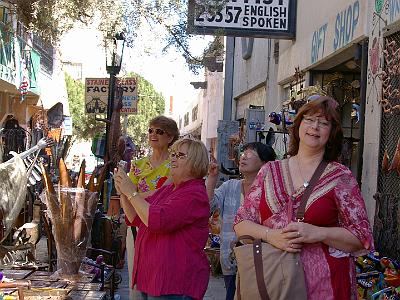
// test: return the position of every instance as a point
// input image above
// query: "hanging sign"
(251, 18)
(66, 126)
(96, 95)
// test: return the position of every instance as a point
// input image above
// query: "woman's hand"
(300, 232)
(213, 169)
(123, 183)
(283, 241)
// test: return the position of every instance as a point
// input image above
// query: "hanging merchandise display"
(390, 91)
(55, 116)
(385, 162)
(387, 209)
(99, 145)
(395, 165)
(13, 181)
(14, 137)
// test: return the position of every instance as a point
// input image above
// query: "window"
(194, 112)
(186, 121)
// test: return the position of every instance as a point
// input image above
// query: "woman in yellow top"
(151, 172)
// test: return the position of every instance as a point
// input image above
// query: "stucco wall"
(249, 73)
(212, 105)
(255, 79)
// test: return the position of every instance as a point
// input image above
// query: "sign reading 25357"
(258, 18)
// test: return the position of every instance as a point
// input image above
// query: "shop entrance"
(341, 80)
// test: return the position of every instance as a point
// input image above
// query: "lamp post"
(114, 51)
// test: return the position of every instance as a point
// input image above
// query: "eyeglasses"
(320, 123)
(178, 155)
(158, 131)
(248, 153)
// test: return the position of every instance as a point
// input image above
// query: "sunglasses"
(158, 131)
(178, 155)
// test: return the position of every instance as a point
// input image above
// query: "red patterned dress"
(336, 201)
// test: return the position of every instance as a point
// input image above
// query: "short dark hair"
(328, 106)
(265, 152)
(167, 124)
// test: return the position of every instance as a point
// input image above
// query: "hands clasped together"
(293, 236)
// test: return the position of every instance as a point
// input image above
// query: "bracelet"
(132, 196)
(266, 234)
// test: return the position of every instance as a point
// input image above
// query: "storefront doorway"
(341, 78)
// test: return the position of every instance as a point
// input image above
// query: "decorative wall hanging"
(390, 76)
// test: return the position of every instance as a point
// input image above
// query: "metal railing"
(45, 51)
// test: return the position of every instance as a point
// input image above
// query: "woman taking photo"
(335, 224)
(151, 172)
(227, 199)
(169, 261)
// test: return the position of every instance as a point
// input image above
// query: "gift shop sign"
(256, 18)
(96, 95)
(342, 28)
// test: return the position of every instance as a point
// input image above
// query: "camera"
(122, 164)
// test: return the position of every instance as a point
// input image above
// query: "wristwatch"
(132, 195)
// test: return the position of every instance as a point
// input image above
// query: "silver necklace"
(306, 183)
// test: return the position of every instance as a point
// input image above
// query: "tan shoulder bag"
(268, 273)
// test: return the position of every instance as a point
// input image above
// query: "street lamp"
(114, 50)
(114, 46)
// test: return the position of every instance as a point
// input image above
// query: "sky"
(166, 71)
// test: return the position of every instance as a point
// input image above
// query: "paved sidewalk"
(215, 291)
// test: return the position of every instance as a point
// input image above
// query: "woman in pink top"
(169, 260)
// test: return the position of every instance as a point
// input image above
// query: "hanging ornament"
(395, 166)
(385, 162)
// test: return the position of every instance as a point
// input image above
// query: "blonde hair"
(197, 156)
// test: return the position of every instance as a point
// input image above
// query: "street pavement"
(215, 291)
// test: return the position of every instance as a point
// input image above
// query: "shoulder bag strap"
(258, 265)
(307, 192)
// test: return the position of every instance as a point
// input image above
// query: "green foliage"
(84, 126)
(150, 104)
(50, 19)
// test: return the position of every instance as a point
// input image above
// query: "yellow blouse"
(147, 178)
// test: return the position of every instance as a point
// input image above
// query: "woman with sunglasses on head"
(335, 225)
(229, 196)
(169, 261)
(151, 172)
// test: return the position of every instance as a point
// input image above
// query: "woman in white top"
(228, 197)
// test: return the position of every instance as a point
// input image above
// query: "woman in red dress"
(335, 226)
